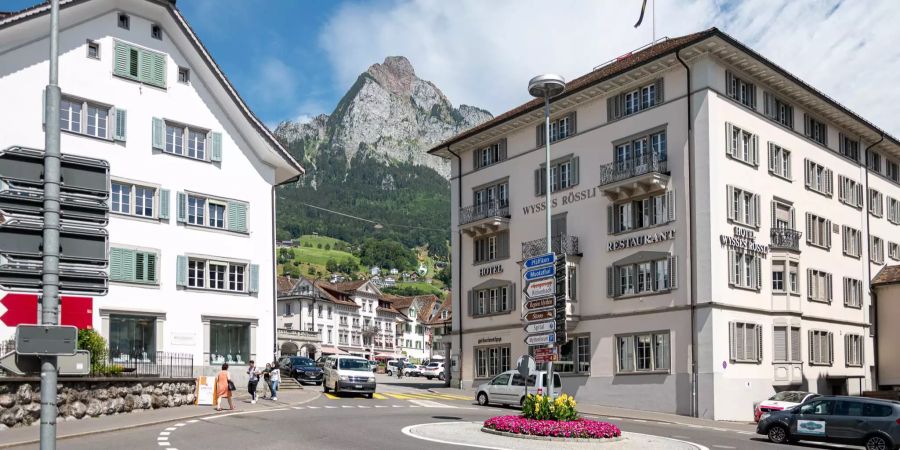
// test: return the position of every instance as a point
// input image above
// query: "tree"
(332, 265)
(93, 342)
(445, 276)
(387, 253)
(327, 246)
(311, 270)
(319, 245)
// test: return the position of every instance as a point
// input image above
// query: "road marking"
(379, 396)
(639, 420)
(162, 438)
(242, 413)
(296, 407)
(400, 396)
(165, 433)
(722, 446)
(614, 418)
(396, 406)
(332, 396)
(414, 406)
(330, 407)
(346, 406)
(313, 407)
(171, 429)
(163, 444)
(380, 406)
(679, 437)
(361, 406)
(180, 424)
(193, 421)
(430, 404)
(407, 431)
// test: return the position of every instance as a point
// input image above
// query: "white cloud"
(274, 82)
(483, 53)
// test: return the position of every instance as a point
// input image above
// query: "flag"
(641, 18)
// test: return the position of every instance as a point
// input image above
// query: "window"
(642, 277)
(818, 178)
(779, 161)
(491, 361)
(133, 266)
(782, 215)
(778, 110)
(892, 171)
(876, 203)
(218, 275)
(93, 50)
(196, 273)
(185, 141)
(124, 21)
(494, 300)
(785, 276)
(184, 75)
(850, 192)
(563, 175)
(229, 342)
(876, 252)
(91, 119)
(216, 215)
(746, 342)
(787, 344)
(818, 231)
(742, 145)
(134, 200)
(873, 161)
(644, 352)
(853, 350)
(493, 196)
(893, 213)
(744, 269)
(491, 248)
(852, 292)
(818, 285)
(849, 147)
(635, 100)
(139, 64)
(560, 128)
(236, 278)
(641, 151)
(894, 251)
(199, 210)
(490, 155)
(739, 89)
(815, 130)
(852, 241)
(156, 32)
(644, 213)
(132, 338)
(820, 348)
(743, 206)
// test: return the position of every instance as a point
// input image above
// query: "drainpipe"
(693, 236)
(869, 267)
(458, 275)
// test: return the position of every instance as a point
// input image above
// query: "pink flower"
(579, 428)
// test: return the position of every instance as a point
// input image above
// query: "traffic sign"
(540, 327)
(20, 309)
(542, 260)
(541, 339)
(538, 316)
(545, 351)
(77, 364)
(546, 358)
(46, 339)
(525, 365)
(540, 272)
(541, 303)
(540, 288)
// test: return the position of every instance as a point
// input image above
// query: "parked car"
(303, 369)
(411, 370)
(350, 374)
(392, 366)
(871, 422)
(508, 388)
(780, 401)
(321, 361)
(434, 370)
(373, 364)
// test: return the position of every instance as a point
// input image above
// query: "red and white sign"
(541, 288)
(22, 309)
(546, 358)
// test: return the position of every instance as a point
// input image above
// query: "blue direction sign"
(541, 272)
(542, 260)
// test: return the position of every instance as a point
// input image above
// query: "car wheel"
(429, 378)
(778, 434)
(370, 396)
(482, 399)
(325, 387)
(441, 377)
(390, 373)
(879, 442)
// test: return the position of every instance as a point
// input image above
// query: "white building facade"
(721, 221)
(191, 226)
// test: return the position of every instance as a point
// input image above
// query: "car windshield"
(305, 362)
(432, 365)
(789, 396)
(353, 364)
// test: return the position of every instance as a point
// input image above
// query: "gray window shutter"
(830, 343)
(732, 275)
(659, 91)
(807, 127)
(503, 245)
(573, 177)
(809, 228)
(471, 302)
(759, 343)
(610, 222)
(513, 295)
(254, 278)
(828, 233)
(828, 287)
(773, 213)
(610, 282)
(670, 206)
(121, 118)
(772, 157)
(729, 140)
(237, 217)
(729, 84)
(759, 275)
(573, 123)
(476, 160)
(756, 209)
(732, 344)
(181, 207)
(611, 108)
(163, 203)
(768, 107)
(503, 149)
(807, 173)
(829, 189)
(216, 154)
(754, 149)
(729, 202)
(673, 272)
(181, 268)
(159, 134)
(539, 133)
(539, 182)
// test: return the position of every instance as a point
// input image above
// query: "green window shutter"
(121, 119)
(153, 68)
(237, 217)
(122, 60)
(181, 270)
(216, 154)
(254, 278)
(128, 265)
(151, 267)
(181, 207)
(163, 203)
(115, 264)
(159, 134)
(140, 266)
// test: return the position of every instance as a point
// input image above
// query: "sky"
(293, 59)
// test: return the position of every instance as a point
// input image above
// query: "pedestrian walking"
(224, 388)
(267, 378)
(275, 380)
(253, 373)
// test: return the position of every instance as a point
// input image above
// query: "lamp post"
(547, 85)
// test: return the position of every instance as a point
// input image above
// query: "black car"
(871, 422)
(303, 369)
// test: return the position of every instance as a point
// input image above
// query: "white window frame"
(84, 107)
(745, 342)
(132, 198)
(818, 178)
(818, 286)
(853, 293)
(894, 251)
(850, 192)
(780, 161)
(821, 348)
(627, 362)
(793, 350)
(492, 360)
(744, 269)
(818, 231)
(186, 130)
(893, 210)
(876, 249)
(790, 276)
(741, 90)
(207, 277)
(876, 203)
(742, 144)
(92, 45)
(854, 350)
(852, 241)
(743, 206)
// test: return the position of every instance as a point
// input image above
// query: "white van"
(392, 366)
(508, 388)
(352, 374)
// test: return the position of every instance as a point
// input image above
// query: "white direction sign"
(541, 288)
(539, 339)
(541, 327)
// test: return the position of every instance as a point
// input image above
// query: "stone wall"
(20, 398)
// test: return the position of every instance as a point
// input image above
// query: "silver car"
(509, 388)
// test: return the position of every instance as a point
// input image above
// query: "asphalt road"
(332, 422)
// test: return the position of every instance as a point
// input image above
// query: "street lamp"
(547, 85)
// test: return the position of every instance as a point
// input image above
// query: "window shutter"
(610, 222)
(121, 61)
(503, 149)
(152, 68)
(793, 219)
(471, 302)
(732, 344)
(858, 243)
(610, 280)
(503, 245)
(732, 274)
(756, 209)
(539, 133)
(779, 341)
(660, 85)
(181, 270)
(159, 134)
(828, 287)
(512, 295)
(828, 233)
(807, 174)
(729, 84)
(121, 118)
(768, 107)
(729, 139)
(128, 265)
(611, 108)
(673, 272)
(754, 149)
(787, 167)
(573, 176)
(758, 270)
(829, 188)
(237, 217)
(115, 264)
(773, 213)
(254, 278)
(806, 125)
(163, 203)
(809, 228)
(476, 159)
(830, 343)
(842, 195)
(810, 283)
(538, 183)
(573, 123)
(772, 157)
(759, 343)
(740, 341)
(859, 195)
(795, 344)
(181, 207)
(151, 267)
(216, 154)
(729, 202)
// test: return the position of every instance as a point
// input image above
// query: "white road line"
(180, 424)
(330, 407)
(723, 446)
(639, 420)
(346, 406)
(313, 407)
(380, 406)
(163, 444)
(396, 406)
(414, 406)
(165, 433)
(296, 407)
(614, 418)
(698, 446)
(243, 412)
(679, 437)
(193, 421)
(362, 406)
(171, 429)
(162, 438)
(406, 431)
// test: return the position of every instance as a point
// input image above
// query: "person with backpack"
(253, 372)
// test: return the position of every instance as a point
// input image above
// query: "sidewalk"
(68, 429)
(624, 413)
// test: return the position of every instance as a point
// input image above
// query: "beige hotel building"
(722, 221)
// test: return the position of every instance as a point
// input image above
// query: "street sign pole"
(50, 274)
(547, 202)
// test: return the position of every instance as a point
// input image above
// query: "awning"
(437, 356)
(387, 355)
(333, 351)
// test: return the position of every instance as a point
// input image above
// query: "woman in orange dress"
(222, 391)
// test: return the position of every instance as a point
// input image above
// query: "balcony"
(785, 239)
(636, 176)
(297, 335)
(561, 244)
(484, 218)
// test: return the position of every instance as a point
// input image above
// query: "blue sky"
(292, 59)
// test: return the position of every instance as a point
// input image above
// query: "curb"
(137, 425)
(551, 438)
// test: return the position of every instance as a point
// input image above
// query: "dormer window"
(156, 32)
(124, 21)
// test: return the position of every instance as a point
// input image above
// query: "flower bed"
(579, 428)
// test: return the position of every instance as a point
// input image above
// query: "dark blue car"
(302, 369)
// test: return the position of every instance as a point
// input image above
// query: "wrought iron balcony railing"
(562, 244)
(625, 169)
(785, 239)
(292, 333)
(493, 208)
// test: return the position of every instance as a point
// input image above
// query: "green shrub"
(541, 407)
(91, 341)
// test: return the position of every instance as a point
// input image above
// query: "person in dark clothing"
(253, 372)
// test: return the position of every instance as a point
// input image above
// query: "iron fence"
(786, 239)
(157, 364)
(493, 208)
(561, 244)
(632, 167)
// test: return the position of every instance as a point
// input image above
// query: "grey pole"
(50, 272)
(549, 212)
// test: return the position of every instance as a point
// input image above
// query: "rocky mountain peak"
(396, 74)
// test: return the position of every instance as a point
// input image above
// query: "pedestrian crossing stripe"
(408, 396)
(379, 396)
(332, 396)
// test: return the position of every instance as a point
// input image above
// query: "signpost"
(542, 303)
(541, 339)
(540, 327)
(525, 365)
(546, 287)
(22, 309)
(540, 272)
(540, 288)
(46, 340)
(542, 260)
(538, 316)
